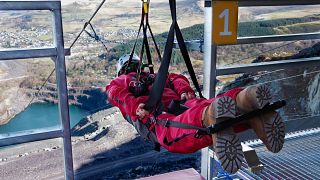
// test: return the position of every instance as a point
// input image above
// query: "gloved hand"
(141, 112)
(187, 96)
(137, 88)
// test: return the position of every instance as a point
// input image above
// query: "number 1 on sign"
(225, 15)
(224, 22)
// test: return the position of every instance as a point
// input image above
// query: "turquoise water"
(41, 116)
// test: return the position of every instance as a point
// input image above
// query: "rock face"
(314, 95)
(92, 99)
(300, 86)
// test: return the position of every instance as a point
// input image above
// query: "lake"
(39, 116)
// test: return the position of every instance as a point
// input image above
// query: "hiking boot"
(253, 97)
(226, 143)
(269, 127)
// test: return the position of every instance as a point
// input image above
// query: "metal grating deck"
(299, 159)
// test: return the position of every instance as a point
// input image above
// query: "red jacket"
(120, 96)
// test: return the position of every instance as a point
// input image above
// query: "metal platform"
(299, 158)
(186, 174)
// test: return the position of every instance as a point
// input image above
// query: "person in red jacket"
(200, 113)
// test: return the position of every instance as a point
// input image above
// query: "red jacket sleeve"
(119, 96)
(180, 83)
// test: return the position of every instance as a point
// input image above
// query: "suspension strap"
(135, 44)
(183, 47)
(146, 43)
(144, 25)
(158, 87)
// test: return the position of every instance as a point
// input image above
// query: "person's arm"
(181, 86)
(119, 95)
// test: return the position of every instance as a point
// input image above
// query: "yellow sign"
(224, 22)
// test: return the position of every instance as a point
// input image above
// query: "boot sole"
(274, 126)
(263, 96)
(275, 132)
(225, 107)
(228, 148)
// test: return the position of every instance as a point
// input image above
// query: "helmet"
(123, 60)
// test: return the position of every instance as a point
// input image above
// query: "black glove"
(138, 88)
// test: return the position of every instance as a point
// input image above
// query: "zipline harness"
(153, 103)
(159, 84)
(144, 25)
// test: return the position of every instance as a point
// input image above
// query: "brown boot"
(253, 97)
(269, 127)
(226, 143)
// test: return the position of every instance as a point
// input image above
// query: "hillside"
(105, 146)
(92, 65)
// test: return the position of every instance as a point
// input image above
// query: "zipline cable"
(87, 23)
(75, 40)
(95, 36)
(290, 77)
(43, 84)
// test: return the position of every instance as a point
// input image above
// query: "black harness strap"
(146, 45)
(158, 87)
(187, 60)
(168, 123)
(165, 141)
(220, 126)
(144, 25)
(154, 41)
(135, 44)
(159, 84)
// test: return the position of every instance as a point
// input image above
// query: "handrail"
(10, 54)
(18, 139)
(278, 38)
(30, 5)
(247, 3)
(263, 66)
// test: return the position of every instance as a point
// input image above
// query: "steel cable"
(87, 23)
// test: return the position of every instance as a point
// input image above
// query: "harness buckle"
(166, 124)
(200, 132)
(146, 6)
(198, 135)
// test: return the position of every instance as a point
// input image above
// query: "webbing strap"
(158, 87)
(187, 60)
(135, 43)
(165, 141)
(168, 123)
(159, 84)
(183, 47)
(154, 41)
(144, 25)
(147, 48)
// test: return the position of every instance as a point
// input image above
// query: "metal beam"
(278, 38)
(196, 45)
(29, 53)
(64, 115)
(30, 5)
(267, 66)
(247, 3)
(18, 139)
